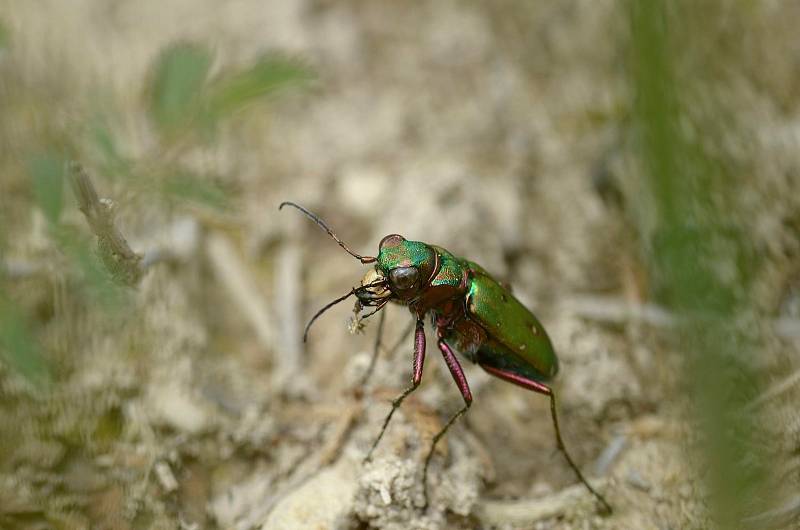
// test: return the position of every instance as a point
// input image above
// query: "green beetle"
(472, 314)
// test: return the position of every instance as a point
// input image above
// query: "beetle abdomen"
(510, 326)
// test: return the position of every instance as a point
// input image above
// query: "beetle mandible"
(472, 313)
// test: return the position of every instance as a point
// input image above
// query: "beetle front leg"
(541, 388)
(376, 349)
(389, 352)
(416, 377)
(463, 386)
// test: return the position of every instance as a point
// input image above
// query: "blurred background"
(630, 168)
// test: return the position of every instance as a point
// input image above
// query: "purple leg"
(461, 381)
(419, 353)
(416, 377)
(455, 371)
(519, 380)
(542, 388)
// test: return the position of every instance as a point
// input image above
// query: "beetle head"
(402, 270)
(407, 265)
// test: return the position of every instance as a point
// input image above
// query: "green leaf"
(47, 172)
(104, 141)
(4, 36)
(113, 162)
(268, 75)
(98, 281)
(188, 187)
(179, 76)
(18, 346)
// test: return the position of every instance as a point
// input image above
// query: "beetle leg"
(456, 371)
(542, 388)
(416, 377)
(461, 381)
(403, 337)
(374, 358)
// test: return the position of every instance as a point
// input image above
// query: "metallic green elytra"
(471, 312)
(510, 324)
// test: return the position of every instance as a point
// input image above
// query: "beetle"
(471, 312)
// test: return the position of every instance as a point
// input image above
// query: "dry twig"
(242, 287)
(123, 263)
(287, 306)
(610, 454)
(526, 512)
(777, 518)
(774, 391)
(616, 310)
(15, 269)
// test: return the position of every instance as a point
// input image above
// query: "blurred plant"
(186, 106)
(4, 38)
(176, 87)
(65, 288)
(46, 172)
(18, 346)
(182, 96)
(700, 259)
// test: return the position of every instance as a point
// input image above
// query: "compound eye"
(392, 240)
(403, 277)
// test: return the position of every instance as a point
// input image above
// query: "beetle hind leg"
(542, 388)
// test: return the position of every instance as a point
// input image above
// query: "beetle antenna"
(321, 223)
(325, 308)
(378, 308)
(354, 291)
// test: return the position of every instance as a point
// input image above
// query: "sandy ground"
(495, 130)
